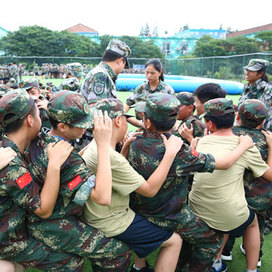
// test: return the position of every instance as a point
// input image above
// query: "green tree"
(40, 41)
(240, 45)
(206, 46)
(265, 38)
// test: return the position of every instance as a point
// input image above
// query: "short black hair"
(208, 91)
(17, 124)
(110, 56)
(163, 125)
(54, 123)
(221, 122)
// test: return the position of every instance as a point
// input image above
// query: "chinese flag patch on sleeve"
(24, 180)
(74, 182)
(194, 152)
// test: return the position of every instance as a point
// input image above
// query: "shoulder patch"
(99, 88)
(74, 182)
(194, 152)
(24, 180)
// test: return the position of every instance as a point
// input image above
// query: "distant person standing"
(154, 83)
(100, 81)
(258, 86)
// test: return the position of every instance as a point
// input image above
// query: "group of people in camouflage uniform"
(62, 200)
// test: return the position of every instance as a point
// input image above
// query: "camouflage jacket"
(145, 154)
(141, 92)
(258, 191)
(74, 174)
(19, 195)
(99, 83)
(263, 91)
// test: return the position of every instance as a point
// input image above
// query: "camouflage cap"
(3, 89)
(218, 107)
(252, 112)
(161, 106)
(18, 103)
(113, 106)
(185, 98)
(75, 69)
(120, 48)
(71, 84)
(28, 83)
(70, 108)
(256, 65)
(140, 106)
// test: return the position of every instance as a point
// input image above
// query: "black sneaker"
(144, 269)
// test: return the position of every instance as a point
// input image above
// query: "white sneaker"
(259, 264)
(242, 249)
(226, 256)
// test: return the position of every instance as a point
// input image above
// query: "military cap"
(29, 83)
(75, 69)
(70, 108)
(4, 88)
(186, 98)
(16, 102)
(256, 65)
(71, 84)
(161, 106)
(120, 48)
(218, 107)
(252, 112)
(113, 106)
(140, 106)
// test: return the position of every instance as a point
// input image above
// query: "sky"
(122, 17)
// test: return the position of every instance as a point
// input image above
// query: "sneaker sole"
(242, 249)
(226, 258)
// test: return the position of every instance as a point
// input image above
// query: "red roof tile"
(250, 30)
(80, 28)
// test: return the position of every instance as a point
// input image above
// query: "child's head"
(220, 112)
(187, 107)
(252, 113)
(161, 112)
(206, 92)
(116, 112)
(70, 114)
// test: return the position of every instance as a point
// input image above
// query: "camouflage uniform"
(260, 89)
(77, 237)
(141, 92)
(100, 81)
(19, 196)
(29, 83)
(72, 83)
(186, 98)
(258, 191)
(169, 209)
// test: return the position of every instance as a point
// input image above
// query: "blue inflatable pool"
(178, 83)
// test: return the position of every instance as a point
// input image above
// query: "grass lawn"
(239, 261)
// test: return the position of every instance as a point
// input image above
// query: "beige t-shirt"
(116, 218)
(219, 198)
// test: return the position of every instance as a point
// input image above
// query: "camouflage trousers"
(73, 236)
(268, 222)
(201, 244)
(37, 255)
